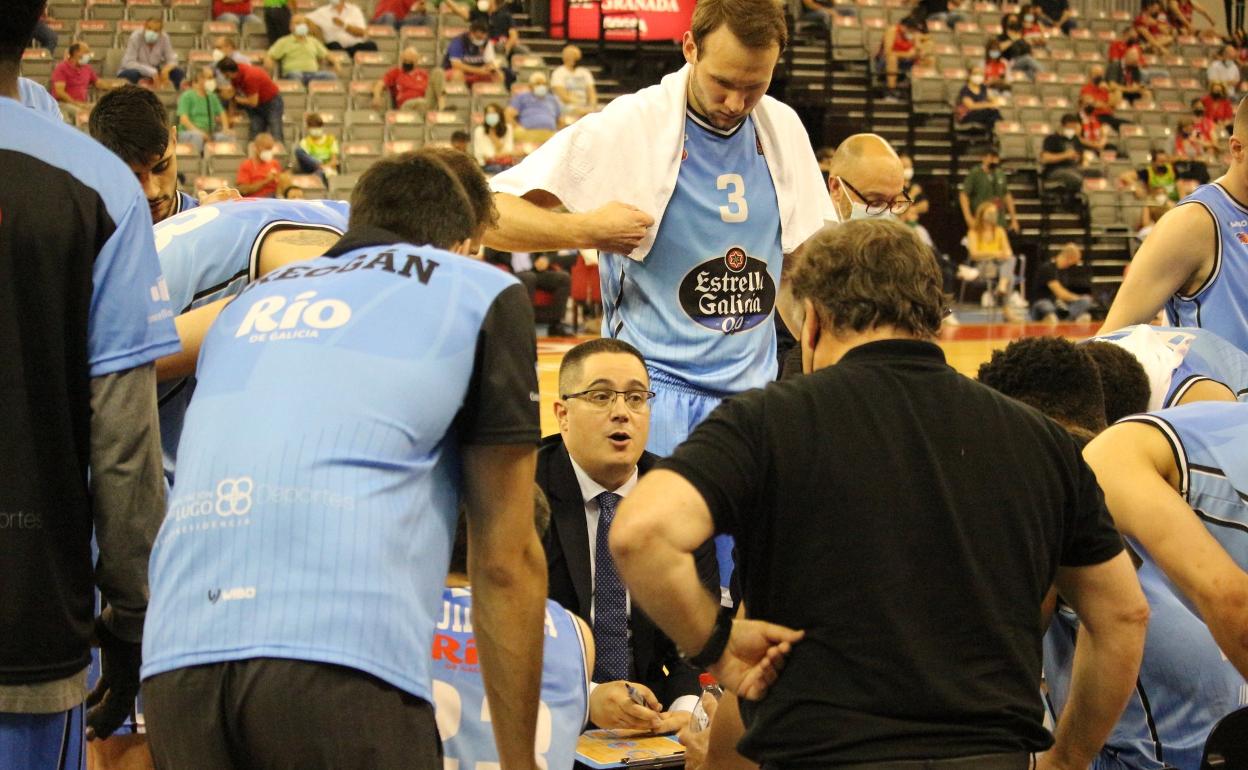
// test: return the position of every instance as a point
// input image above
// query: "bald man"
(1195, 261)
(866, 178)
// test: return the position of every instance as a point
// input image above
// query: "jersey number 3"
(737, 210)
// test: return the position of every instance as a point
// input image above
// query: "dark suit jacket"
(571, 584)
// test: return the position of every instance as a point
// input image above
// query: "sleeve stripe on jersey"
(1176, 446)
(253, 258)
(1214, 520)
(580, 637)
(1217, 256)
(1184, 387)
(213, 289)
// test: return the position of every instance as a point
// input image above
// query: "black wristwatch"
(713, 650)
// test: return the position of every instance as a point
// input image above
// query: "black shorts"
(274, 714)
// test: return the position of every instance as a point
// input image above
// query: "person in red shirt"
(402, 13)
(260, 175)
(1218, 108)
(256, 93)
(996, 69)
(904, 44)
(1101, 95)
(1091, 132)
(1154, 27)
(1184, 14)
(73, 77)
(411, 86)
(237, 11)
(1205, 128)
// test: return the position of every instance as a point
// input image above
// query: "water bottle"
(700, 720)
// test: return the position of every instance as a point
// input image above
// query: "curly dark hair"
(1053, 375)
(1123, 380)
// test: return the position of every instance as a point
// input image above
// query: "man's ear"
(561, 415)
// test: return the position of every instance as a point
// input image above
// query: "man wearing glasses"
(866, 179)
(639, 679)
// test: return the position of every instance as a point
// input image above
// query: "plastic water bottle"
(700, 719)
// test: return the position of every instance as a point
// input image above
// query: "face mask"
(478, 41)
(1160, 199)
(857, 209)
(1069, 133)
(150, 36)
(540, 90)
(491, 119)
(266, 155)
(994, 54)
(907, 174)
(977, 80)
(483, 6)
(409, 66)
(210, 85)
(1029, 18)
(301, 30)
(217, 55)
(84, 60)
(316, 133)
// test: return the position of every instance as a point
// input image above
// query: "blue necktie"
(610, 602)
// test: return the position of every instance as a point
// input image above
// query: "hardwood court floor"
(966, 347)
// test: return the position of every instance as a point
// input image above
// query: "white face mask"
(151, 36)
(266, 155)
(857, 209)
(491, 118)
(483, 6)
(907, 174)
(316, 133)
(977, 80)
(210, 85)
(84, 60)
(301, 30)
(217, 55)
(1069, 133)
(540, 90)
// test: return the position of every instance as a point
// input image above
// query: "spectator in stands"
(72, 79)
(235, 11)
(150, 56)
(904, 44)
(1130, 76)
(988, 246)
(1057, 13)
(1205, 128)
(256, 93)
(260, 175)
(461, 141)
(1092, 135)
(866, 179)
(1102, 95)
(1160, 174)
(201, 116)
(493, 142)
(574, 84)
(1061, 157)
(226, 93)
(996, 68)
(1224, 69)
(343, 27)
(1063, 288)
(914, 191)
(534, 114)
(1156, 207)
(1034, 29)
(1154, 28)
(1015, 48)
(945, 11)
(402, 13)
(819, 13)
(556, 282)
(223, 47)
(1192, 152)
(1183, 14)
(1218, 107)
(277, 18)
(300, 55)
(975, 104)
(987, 183)
(44, 35)
(500, 27)
(470, 57)
(317, 151)
(411, 86)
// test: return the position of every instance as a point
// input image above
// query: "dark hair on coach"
(417, 197)
(459, 547)
(17, 26)
(476, 187)
(570, 368)
(1051, 374)
(1123, 380)
(132, 123)
(868, 273)
(756, 23)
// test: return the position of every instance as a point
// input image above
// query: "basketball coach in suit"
(639, 679)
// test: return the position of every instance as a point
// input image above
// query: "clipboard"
(627, 749)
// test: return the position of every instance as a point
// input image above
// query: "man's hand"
(754, 657)
(611, 706)
(112, 700)
(618, 227)
(672, 721)
(1014, 227)
(220, 195)
(696, 743)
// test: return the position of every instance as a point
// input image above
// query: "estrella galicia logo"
(214, 595)
(729, 294)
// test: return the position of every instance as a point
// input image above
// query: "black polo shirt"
(910, 520)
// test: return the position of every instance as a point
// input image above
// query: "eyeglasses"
(897, 206)
(604, 398)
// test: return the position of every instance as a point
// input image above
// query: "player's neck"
(1234, 184)
(8, 80)
(832, 347)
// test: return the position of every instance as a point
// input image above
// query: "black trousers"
(1017, 761)
(367, 45)
(276, 714)
(557, 283)
(276, 23)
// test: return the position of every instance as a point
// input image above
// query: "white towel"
(1158, 357)
(630, 152)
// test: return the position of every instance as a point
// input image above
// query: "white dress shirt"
(351, 16)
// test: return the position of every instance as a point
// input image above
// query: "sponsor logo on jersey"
(231, 594)
(1240, 223)
(276, 318)
(1243, 237)
(728, 294)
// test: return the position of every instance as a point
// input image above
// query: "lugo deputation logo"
(729, 294)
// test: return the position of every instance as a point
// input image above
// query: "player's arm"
(1113, 615)
(1176, 256)
(529, 223)
(1206, 390)
(508, 575)
(1136, 467)
(192, 327)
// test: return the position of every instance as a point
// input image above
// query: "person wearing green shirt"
(317, 152)
(299, 55)
(277, 18)
(201, 114)
(987, 182)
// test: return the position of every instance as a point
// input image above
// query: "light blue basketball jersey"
(1221, 303)
(36, 97)
(1185, 684)
(459, 692)
(699, 307)
(211, 252)
(318, 478)
(1205, 356)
